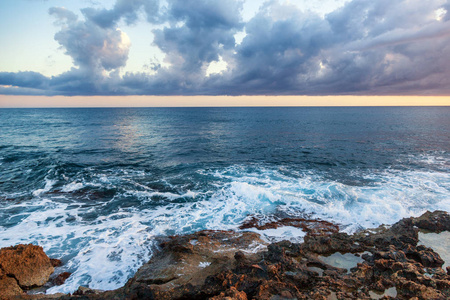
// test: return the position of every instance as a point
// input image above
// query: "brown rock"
(400, 235)
(277, 290)
(436, 221)
(83, 291)
(188, 260)
(61, 278)
(392, 254)
(231, 294)
(337, 242)
(425, 256)
(231, 265)
(9, 288)
(55, 262)
(28, 264)
(311, 227)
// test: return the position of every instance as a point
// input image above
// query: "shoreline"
(386, 262)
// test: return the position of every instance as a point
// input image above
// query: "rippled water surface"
(95, 186)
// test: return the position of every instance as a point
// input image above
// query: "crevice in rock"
(158, 281)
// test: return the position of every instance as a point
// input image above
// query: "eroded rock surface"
(233, 265)
(436, 221)
(23, 267)
(8, 286)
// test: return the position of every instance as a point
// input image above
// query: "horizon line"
(26, 101)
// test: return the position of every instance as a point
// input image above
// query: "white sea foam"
(204, 264)
(103, 250)
(48, 186)
(73, 186)
(392, 196)
(272, 235)
(168, 195)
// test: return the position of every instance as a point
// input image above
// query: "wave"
(104, 242)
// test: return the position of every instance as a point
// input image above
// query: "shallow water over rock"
(390, 292)
(344, 261)
(439, 242)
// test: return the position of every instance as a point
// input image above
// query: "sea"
(96, 187)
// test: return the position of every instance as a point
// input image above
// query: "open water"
(96, 186)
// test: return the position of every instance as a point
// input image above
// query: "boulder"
(8, 287)
(436, 221)
(28, 264)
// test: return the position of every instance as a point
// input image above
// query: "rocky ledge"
(382, 263)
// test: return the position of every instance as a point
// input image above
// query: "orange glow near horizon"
(7, 101)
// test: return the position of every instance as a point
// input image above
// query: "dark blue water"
(94, 185)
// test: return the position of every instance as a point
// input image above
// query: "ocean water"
(94, 187)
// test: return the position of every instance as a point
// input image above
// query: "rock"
(436, 221)
(61, 278)
(311, 227)
(85, 291)
(188, 260)
(55, 262)
(272, 290)
(337, 242)
(231, 294)
(9, 287)
(425, 256)
(28, 264)
(400, 235)
(231, 265)
(391, 254)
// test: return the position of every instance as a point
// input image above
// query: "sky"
(101, 48)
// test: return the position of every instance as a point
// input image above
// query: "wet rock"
(400, 235)
(391, 254)
(84, 291)
(436, 221)
(231, 294)
(184, 261)
(61, 278)
(238, 265)
(338, 242)
(274, 290)
(28, 264)
(55, 262)
(311, 227)
(425, 256)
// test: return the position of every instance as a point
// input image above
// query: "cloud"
(97, 52)
(124, 9)
(279, 50)
(207, 31)
(363, 47)
(91, 46)
(24, 79)
(196, 34)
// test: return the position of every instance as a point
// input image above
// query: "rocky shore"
(383, 263)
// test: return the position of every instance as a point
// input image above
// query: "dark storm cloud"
(365, 47)
(396, 47)
(373, 47)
